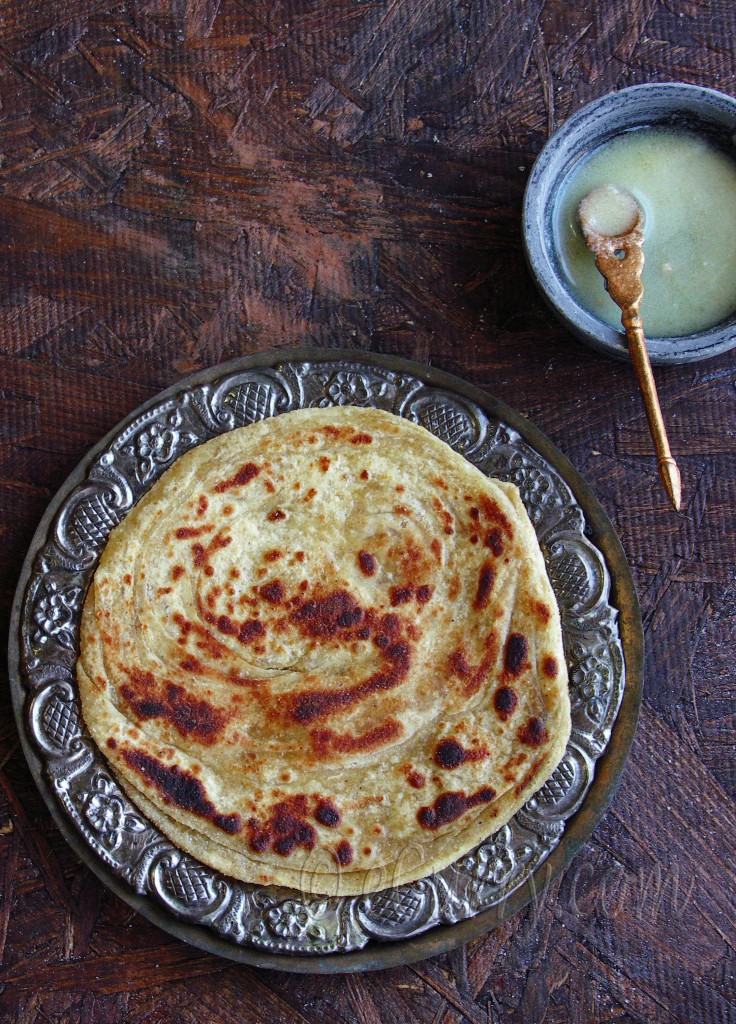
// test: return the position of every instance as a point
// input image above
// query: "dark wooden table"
(183, 181)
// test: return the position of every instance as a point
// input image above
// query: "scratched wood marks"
(182, 181)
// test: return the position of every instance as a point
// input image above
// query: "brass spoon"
(613, 226)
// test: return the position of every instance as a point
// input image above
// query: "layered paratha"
(323, 652)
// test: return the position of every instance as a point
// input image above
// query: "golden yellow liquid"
(687, 189)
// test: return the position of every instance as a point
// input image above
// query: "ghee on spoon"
(610, 211)
(612, 222)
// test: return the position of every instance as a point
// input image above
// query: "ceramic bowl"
(663, 104)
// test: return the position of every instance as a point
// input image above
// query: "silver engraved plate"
(64, 558)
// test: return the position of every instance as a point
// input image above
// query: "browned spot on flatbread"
(543, 612)
(328, 615)
(204, 639)
(191, 717)
(505, 702)
(415, 779)
(181, 788)
(533, 733)
(272, 592)
(486, 579)
(343, 853)
(327, 814)
(451, 754)
(459, 663)
(250, 630)
(338, 616)
(494, 541)
(493, 514)
(450, 806)
(368, 563)
(478, 676)
(325, 741)
(187, 532)
(311, 705)
(516, 655)
(446, 516)
(285, 829)
(517, 760)
(244, 476)
(550, 667)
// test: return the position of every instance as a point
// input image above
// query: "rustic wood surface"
(183, 181)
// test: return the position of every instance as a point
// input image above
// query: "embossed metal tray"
(276, 927)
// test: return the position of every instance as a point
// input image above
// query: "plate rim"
(609, 766)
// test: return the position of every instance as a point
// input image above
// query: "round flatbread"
(323, 652)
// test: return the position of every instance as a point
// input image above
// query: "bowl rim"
(544, 179)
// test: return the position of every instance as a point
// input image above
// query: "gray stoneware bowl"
(672, 103)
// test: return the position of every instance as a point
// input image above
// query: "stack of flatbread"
(323, 652)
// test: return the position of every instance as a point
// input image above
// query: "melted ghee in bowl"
(687, 189)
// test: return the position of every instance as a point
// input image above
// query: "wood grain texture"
(183, 181)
